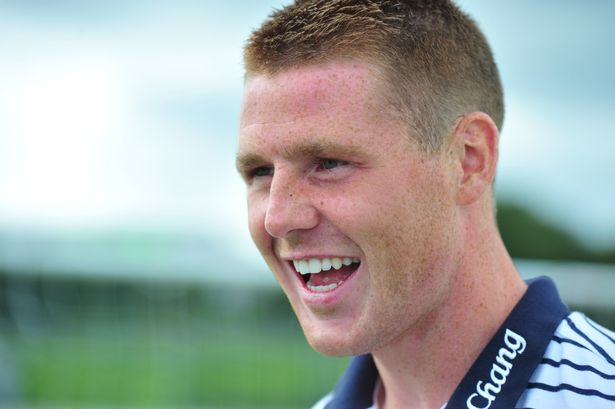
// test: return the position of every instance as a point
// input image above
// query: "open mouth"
(326, 274)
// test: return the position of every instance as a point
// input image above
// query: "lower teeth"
(323, 288)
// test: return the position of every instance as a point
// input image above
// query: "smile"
(326, 274)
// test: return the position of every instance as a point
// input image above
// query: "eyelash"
(338, 163)
(263, 171)
(260, 171)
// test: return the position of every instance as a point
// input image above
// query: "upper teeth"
(315, 265)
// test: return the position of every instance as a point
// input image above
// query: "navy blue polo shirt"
(542, 356)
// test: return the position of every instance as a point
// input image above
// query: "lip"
(327, 298)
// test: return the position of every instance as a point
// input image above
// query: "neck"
(425, 364)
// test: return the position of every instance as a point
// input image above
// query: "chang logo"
(486, 392)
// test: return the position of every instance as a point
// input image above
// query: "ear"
(476, 138)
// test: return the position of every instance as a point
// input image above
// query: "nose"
(289, 208)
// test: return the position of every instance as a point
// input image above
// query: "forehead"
(336, 104)
(310, 91)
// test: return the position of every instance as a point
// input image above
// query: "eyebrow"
(246, 161)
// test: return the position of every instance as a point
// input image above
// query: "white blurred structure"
(211, 260)
(580, 284)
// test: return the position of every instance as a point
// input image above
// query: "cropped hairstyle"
(435, 62)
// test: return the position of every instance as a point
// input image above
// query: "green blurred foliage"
(526, 235)
(240, 368)
(82, 343)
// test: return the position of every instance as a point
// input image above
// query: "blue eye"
(329, 164)
(262, 171)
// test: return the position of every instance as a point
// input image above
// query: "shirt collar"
(499, 376)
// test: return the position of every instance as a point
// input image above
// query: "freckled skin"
(435, 280)
(392, 205)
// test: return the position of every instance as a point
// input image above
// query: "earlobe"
(477, 138)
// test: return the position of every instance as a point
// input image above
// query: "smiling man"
(368, 143)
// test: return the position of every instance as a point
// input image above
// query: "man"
(368, 143)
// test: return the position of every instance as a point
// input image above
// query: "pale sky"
(125, 113)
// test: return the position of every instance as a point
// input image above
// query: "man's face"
(332, 178)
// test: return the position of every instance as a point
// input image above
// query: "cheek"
(409, 235)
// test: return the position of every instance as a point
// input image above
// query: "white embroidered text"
(486, 391)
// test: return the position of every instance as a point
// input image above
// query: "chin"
(336, 343)
(334, 349)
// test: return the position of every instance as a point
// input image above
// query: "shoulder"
(577, 369)
(584, 345)
(322, 403)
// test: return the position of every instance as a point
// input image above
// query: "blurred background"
(127, 276)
